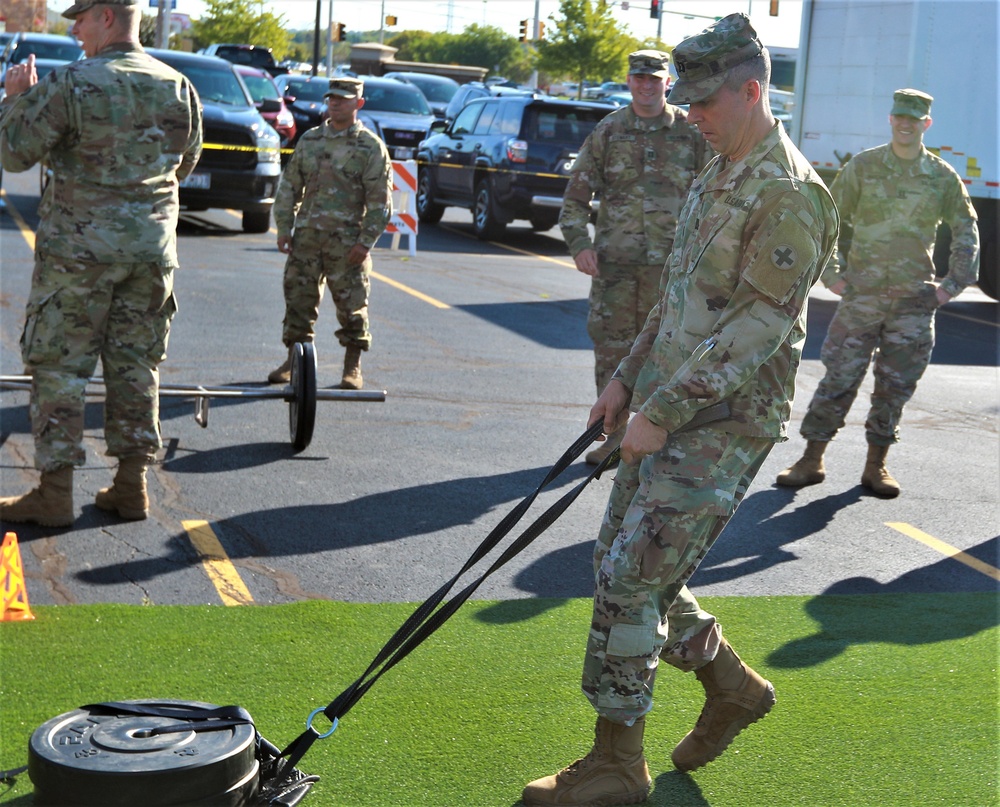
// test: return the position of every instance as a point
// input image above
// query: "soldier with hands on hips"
(118, 129)
(710, 381)
(893, 197)
(333, 202)
(639, 162)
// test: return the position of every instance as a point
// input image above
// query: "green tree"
(585, 42)
(241, 21)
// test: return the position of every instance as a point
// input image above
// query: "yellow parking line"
(413, 292)
(217, 565)
(22, 225)
(945, 549)
(557, 261)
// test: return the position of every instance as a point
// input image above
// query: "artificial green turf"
(882, 700)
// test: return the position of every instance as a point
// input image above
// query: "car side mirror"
(438, 126)
(270, 105)
(288, 99)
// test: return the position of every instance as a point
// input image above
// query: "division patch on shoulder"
(788, 254)
(784, 256)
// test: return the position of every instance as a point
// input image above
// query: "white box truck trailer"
(854, 53)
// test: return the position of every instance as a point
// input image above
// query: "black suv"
(504, 158)
(241, 161)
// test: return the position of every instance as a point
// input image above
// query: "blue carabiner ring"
(309, 724)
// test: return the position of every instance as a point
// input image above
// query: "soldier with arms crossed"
(118, 129)
(710, 380)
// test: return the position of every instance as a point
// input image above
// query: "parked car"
(253, 55)
(50, 51)
(438, 90)
(398, 113)
(477, 89)
(303, 95)
(608, 87)
(270, 104)
(566, 88)
(504, 158)
(618, 98)
(240, 163)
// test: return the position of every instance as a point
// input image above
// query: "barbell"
(300, 394)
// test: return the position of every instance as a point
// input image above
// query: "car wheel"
(428, 211)
(485, 223)
(541, 222)
(256, 221)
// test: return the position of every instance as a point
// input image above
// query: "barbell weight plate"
(112, 760)
(302, 408)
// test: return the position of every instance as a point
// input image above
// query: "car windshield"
(401, 98)
(560, 125)
(304, 90)
(260, 87)
(62, 51)
(214, 85)
(435, 90)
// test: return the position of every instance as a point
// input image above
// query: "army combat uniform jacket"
(116, 158)
(641, 169)
(895, 209)
(752, 240)
(337, 182)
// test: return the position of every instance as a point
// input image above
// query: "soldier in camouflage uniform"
(639, 161)
(894, 196)
(336, 195)
(118, 129)
(710, 380)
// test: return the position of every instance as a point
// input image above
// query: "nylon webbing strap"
(192, 719)
(425, 620)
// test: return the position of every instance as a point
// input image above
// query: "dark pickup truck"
(253, 55)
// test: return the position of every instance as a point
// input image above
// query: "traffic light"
(654, 9)
(541, 30)
(338, 32)
(773, 10)
(390, 19)
(524, 30)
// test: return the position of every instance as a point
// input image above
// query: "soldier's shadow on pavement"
(379, 518)
(758, 535)
(893, 612)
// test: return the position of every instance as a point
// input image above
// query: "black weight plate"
(80, 758)
(302, 408)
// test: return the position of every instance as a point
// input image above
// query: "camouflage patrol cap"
(649, 63)
(82, 5)
(912, 103)
(345, 88)
(703, 61)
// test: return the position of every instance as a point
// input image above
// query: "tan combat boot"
(614, 772)
(807, 471)
(128, 494)
(352, 369)
(282, 374)
(50, 504)
(735, 697)
(876, 476)
(611, 442)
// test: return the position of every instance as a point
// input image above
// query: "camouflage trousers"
(899, 332)
(663, 516)
(621, 298)
(78, 312)
(318, 260)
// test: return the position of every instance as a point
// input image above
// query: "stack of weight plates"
(108, 760)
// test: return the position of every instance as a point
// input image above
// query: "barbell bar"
(300, 393)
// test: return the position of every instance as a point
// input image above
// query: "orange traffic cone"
(15, 595)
